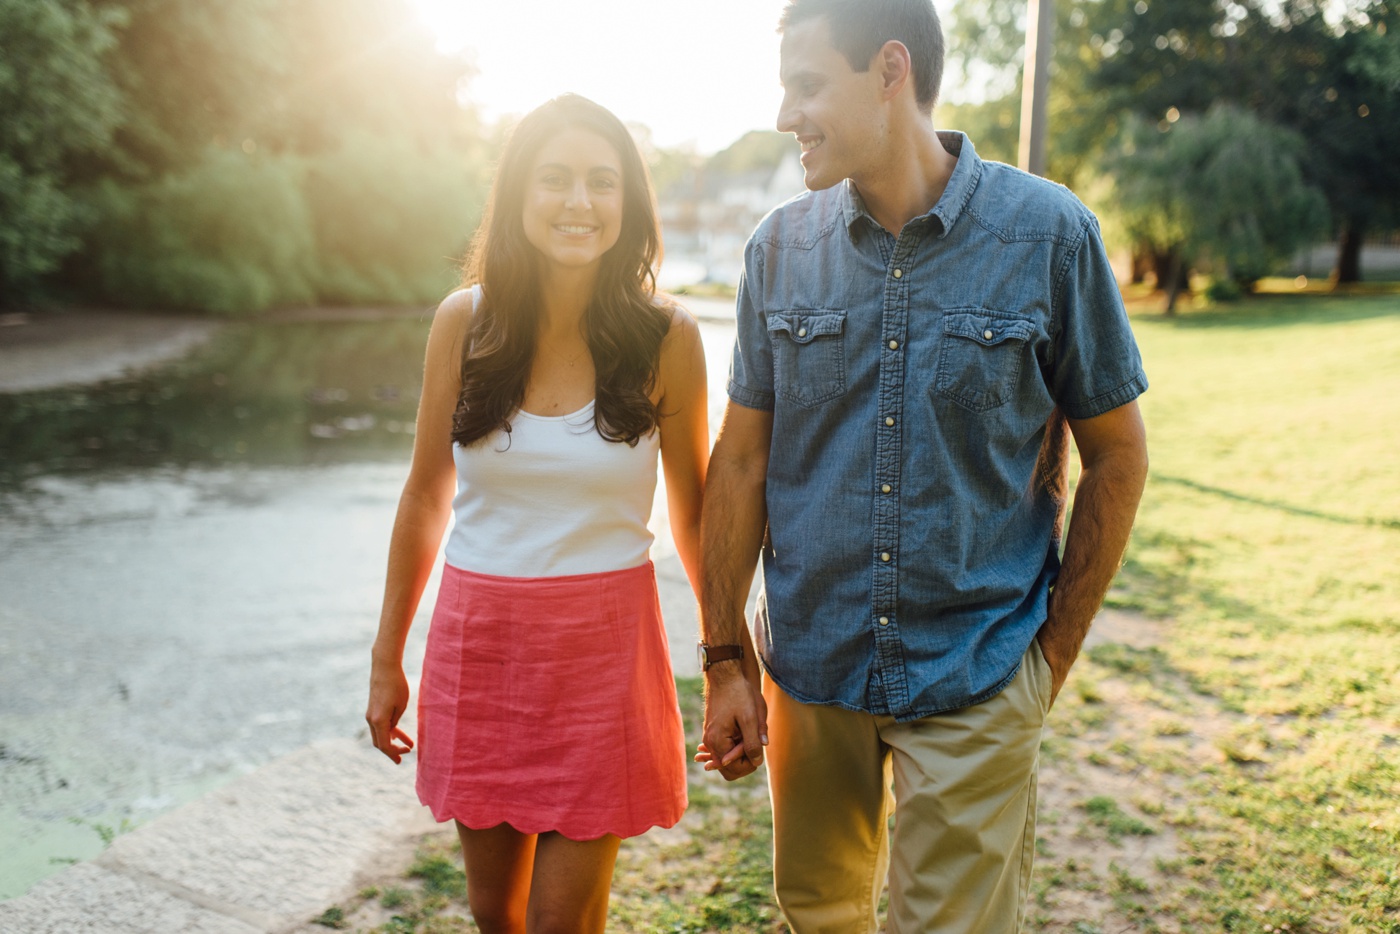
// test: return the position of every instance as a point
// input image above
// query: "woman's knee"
(494, 915)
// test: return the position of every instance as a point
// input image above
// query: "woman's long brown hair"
(623, 323)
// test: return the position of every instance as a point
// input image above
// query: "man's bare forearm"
(1105, 504)
(731, 534)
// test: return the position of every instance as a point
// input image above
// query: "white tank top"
(552, 497)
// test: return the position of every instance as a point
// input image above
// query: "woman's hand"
(388, 699)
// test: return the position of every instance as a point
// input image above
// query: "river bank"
(81, 346)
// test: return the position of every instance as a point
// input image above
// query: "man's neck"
(910, 179)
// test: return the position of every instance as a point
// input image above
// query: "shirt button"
(898, 273)
(884, 556)
(802, 332)
(894, 345)
(885, 488)
(889, 420)
(987, 334)
(884, 620)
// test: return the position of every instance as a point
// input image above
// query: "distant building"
(707, 216)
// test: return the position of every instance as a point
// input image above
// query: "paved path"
(266, 853)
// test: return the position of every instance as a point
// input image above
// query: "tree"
(282, 153)
(1245, 207)
(1296, 63)
(55, 106)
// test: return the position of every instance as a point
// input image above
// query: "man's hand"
(1059, 665)
(736, 722)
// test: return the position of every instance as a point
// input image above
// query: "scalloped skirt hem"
(570, 829)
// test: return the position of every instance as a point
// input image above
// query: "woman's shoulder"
(459, 303)
(682, 322)
(455, 311)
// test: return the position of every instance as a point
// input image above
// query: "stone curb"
(266, 853)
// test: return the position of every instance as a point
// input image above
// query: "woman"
(547, 722)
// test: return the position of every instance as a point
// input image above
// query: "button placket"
(889, 444)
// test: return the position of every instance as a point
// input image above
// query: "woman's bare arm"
(423, 511)
(685, 436)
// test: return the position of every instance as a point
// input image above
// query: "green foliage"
(440, 875)
(55, 108)
(1293, 63)
(1106, 813)
(233, 155)
(333, 917)
(390, 222)
(231, 235)
(1226, 189)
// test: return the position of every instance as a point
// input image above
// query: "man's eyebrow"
(803, 75)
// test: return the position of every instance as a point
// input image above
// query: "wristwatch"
(710, 654)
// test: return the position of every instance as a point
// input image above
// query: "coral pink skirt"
(548, 703)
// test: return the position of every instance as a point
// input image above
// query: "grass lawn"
(1235, 765)
(1269, 538)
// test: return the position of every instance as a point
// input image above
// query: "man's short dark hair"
(859, 28)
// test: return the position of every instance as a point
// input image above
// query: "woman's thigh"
(571, 883)
(499, 863)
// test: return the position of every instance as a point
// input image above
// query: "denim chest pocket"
(809, 354)
(981, 358)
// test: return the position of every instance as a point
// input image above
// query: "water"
(190, 572)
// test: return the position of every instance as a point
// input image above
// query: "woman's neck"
(564, 297)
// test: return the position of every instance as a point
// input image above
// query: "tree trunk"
(1142, 264)
(1176, 281)
(1348, 267)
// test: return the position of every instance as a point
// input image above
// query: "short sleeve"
(751, 370)
(1096, 365)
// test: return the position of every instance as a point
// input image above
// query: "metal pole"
(1040, 30)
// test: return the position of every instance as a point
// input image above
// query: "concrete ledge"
(265, 853)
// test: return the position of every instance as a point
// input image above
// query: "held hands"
(388, 699)
(736, 722)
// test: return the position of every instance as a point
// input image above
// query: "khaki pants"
(959, 861)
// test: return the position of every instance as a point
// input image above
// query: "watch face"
(702, 652)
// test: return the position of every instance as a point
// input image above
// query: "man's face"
(834, 111)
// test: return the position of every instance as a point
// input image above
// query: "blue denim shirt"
(914, 501)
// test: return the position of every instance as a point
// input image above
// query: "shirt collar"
(961, 184)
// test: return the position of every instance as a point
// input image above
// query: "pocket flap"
(987, 330)
(803, 326)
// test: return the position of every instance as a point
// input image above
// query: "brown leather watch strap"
(710, 654)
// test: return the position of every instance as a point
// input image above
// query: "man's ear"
(895, 68)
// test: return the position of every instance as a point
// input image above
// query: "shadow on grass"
(1260, 312)
(1368, 521)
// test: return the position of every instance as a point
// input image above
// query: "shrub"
(230, 235)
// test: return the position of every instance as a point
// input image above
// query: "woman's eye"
(552, 181)
(604, 184)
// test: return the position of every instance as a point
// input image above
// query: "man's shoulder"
(802, 221)
(1015, 205)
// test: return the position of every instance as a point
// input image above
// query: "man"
(915, 334)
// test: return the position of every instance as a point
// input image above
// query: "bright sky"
(702, 72)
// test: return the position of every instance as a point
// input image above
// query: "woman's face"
(573, 199)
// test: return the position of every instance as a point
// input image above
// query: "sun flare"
(697, 75)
